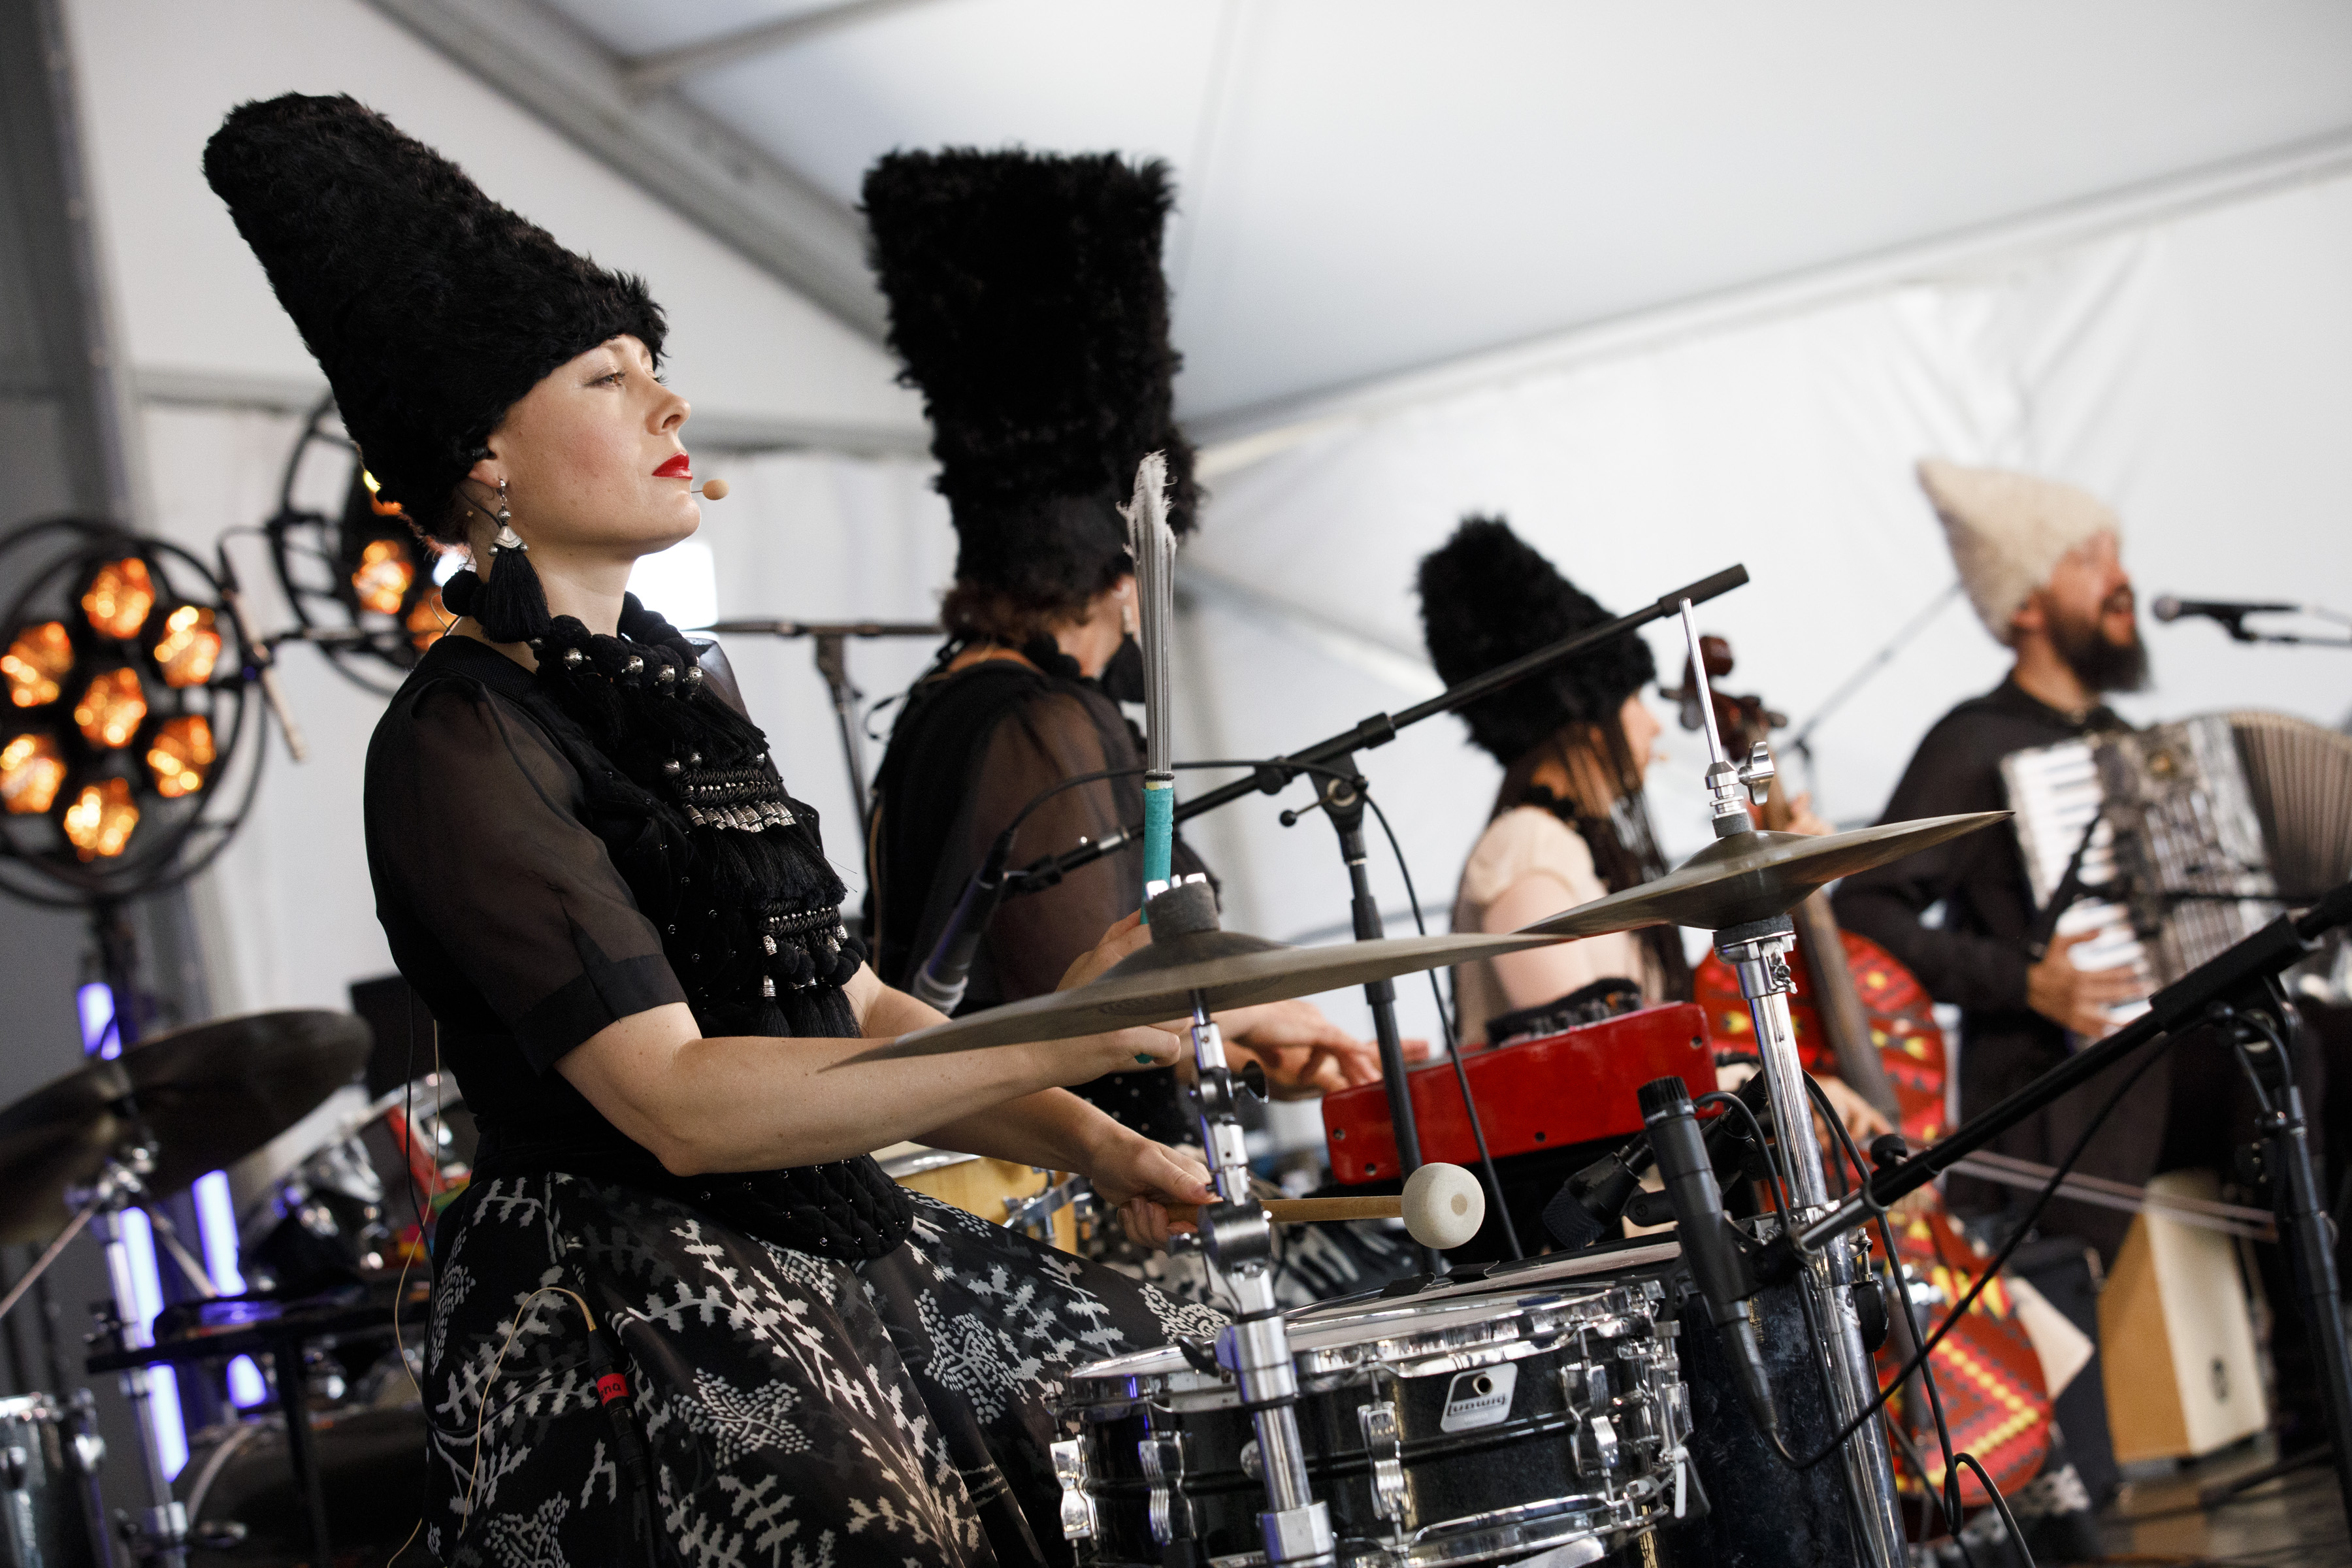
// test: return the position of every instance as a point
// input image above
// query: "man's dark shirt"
(1977, 960)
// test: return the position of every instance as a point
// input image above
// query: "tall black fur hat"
(431, 307)
(1488, 598)
(1027, 303)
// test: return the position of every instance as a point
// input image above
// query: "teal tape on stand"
(1158, 829)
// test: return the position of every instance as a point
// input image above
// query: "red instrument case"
(1565, 1088)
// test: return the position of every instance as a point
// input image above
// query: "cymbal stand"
(160, 1532)
(1238, 1239)
(1757, 952)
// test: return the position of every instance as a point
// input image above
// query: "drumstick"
(1309, 1211)
(1442, 1206)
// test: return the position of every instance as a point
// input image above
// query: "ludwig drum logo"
(1480, 1399)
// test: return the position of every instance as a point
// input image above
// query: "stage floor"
(2294, 1522)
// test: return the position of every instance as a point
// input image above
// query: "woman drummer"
(586, 863)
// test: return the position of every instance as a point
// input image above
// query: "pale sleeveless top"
(1527, 841)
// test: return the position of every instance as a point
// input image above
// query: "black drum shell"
(47, 1490)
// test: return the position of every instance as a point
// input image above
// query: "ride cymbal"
(199, 1098)
(1754, 876)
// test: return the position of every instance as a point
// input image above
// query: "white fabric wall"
(2198, 373)
(156, 77)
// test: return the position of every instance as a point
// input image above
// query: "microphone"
(711, 489)
(941, 982)
(1594, 1198)
(259, 650)
(2231, 613)
(1711, 1244)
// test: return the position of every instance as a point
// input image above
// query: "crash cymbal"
(1754, 876)
(200, 1098)
(1230, 969)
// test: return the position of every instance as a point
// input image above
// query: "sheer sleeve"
(475, 818)
(1035, 938)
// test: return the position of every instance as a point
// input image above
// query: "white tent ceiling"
(1369, 185)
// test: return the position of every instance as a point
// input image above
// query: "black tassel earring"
(511, 605)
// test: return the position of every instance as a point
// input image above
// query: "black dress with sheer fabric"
(969, 752)
(823, 1367)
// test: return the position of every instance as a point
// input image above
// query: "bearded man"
(2041, 564)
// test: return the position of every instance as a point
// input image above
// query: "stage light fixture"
(189, 646)
(31, 770)
(180, 757)
(386, 571)
(112, 709)
(100, 821)
(121, 595)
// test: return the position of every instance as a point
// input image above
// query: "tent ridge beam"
(682, 156)
(648, 74)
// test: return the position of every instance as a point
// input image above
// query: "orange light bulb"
(35, 660)
(31, 769)
(181, 755)
(385, 575)
(99, 823)
(189, 648)
(120, 598)
(113, 708)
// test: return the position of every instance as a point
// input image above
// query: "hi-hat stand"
(1757, 952)
(2239, 993)
(832, 638)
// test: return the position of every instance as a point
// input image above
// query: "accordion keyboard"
(2055, 793)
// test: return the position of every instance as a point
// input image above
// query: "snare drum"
(1477, 1428)
(49, 1456)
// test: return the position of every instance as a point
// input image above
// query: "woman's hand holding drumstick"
(1442, 1206)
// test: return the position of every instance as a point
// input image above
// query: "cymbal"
(1228, 969)
(200, 1098)
(1754, 876)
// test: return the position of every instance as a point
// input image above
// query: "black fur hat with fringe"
(431, 307)
(1028, 304)
(1487, 598)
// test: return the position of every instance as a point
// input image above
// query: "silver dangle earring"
(508, 539)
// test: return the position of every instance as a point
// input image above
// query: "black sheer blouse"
(968, 754)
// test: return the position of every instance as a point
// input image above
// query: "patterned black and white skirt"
(799, 1412)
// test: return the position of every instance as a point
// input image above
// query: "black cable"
(1946, 1505)
(1363, 788)
(1445, 1027)
(1993, 1268)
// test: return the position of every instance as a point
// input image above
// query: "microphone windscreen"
(714, 489)
(2165, 608)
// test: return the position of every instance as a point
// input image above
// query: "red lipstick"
(679, 468)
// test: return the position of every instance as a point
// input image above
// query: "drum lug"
(1384, 1446)
(1077, 1506)
(1596, 1448)
(1164, 1467)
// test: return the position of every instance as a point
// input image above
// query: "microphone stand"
(1343, 799)
(2239, 992)
(833, 664)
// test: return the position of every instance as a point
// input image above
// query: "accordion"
(2198, 833)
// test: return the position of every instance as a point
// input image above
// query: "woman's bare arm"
(754, 1103)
